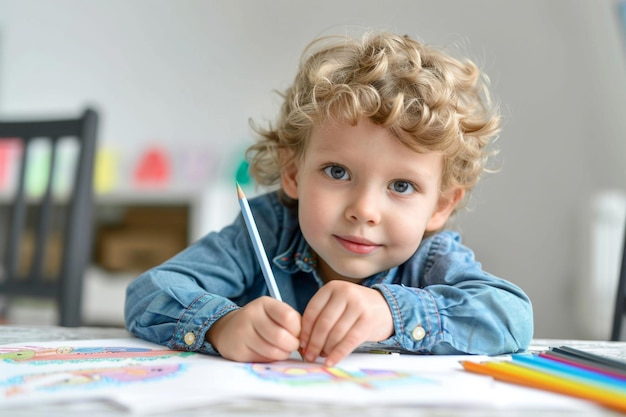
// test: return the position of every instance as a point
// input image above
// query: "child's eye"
(402, 187)
(337, 172)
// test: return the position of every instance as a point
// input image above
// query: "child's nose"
(364, 206)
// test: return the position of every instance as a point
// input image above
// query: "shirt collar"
(298, 257)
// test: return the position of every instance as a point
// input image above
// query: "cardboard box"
(145, 237)
(157, 216)
(136, 250)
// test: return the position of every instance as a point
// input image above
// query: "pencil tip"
(240, 193)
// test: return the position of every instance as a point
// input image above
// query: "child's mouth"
(357, 245)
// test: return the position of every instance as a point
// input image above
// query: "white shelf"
(162, 196)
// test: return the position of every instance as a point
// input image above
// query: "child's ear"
(289, 179)
(445, 207)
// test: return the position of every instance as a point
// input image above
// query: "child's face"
(364, 199)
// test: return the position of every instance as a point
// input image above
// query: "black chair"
(49, 233)
(618, 332)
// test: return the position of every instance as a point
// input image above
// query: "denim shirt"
(441, 301)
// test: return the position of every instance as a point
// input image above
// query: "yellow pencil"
(516, 374)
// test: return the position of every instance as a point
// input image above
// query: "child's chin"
(354, 276)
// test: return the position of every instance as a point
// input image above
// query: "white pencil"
(258, 245)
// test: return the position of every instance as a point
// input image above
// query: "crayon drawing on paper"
(299, 375)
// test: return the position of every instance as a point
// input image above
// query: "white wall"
(191, 73)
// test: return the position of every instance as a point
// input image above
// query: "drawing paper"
(143, 377)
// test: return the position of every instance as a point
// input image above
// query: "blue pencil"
(571, 372)
(258, 245)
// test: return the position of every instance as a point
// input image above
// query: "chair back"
(618, 332)
(48, 202)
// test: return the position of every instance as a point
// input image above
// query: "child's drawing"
(302, 374)
(37, 354)
(143, 377)
(96, 377)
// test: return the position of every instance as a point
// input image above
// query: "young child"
(377, 144)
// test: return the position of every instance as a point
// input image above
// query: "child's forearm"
(449, 320)
(177, 316)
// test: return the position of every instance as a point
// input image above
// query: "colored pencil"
(584, 364)
(507, 371)
(548, 365)
(588, 356)
(258, 245)
(259, 249)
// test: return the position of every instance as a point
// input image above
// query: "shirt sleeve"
(443, 303)
(175, 303)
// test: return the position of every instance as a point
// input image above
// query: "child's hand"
(264, 330)
(340, 317)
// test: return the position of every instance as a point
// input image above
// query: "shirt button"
(418, 333)
(190, 338)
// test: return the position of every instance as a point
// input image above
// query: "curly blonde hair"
(429, 100)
